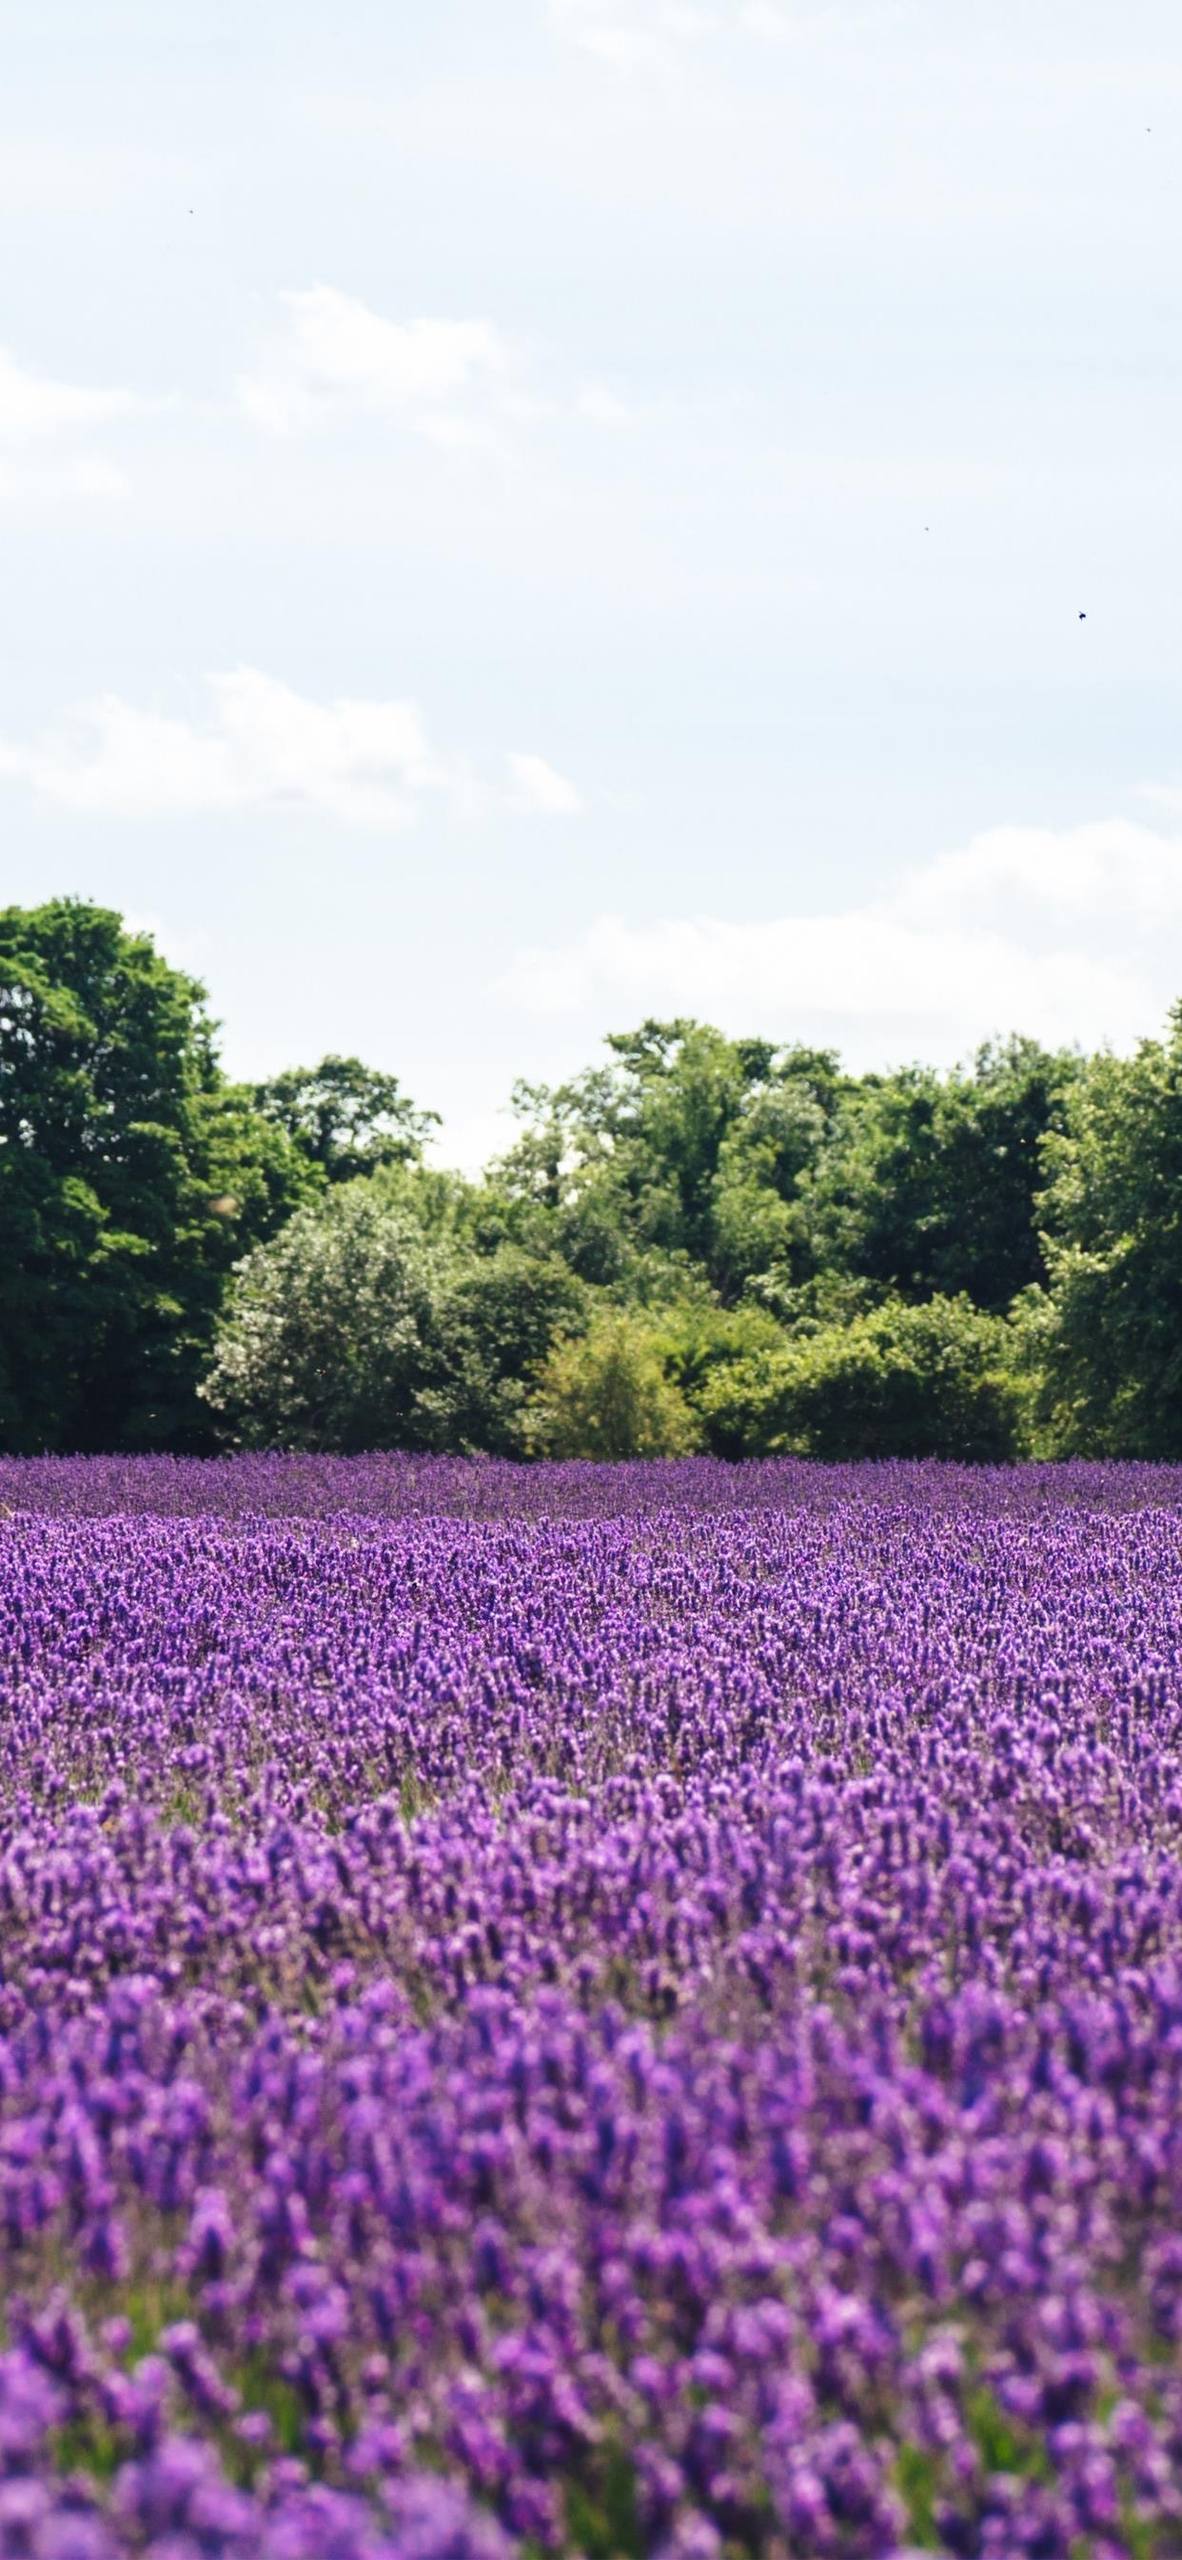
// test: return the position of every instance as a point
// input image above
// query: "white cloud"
(459, 383)
(332, 356)
(537, 787)
(265, 747)
(34, 405)
(1057, 934)
(1113, 873)
(36, 413)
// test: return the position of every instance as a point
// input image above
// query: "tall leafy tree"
(1111, 1336)
(759, 1231)
(743, 1205)
(129, 1180)
(928, 1184)
(346, 1118)
(685, 1142)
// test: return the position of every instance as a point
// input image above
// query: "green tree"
(372, 1321)
(346, 1118)
(934, 1381)
(927, 1185)
(129, 1179)
(757, 1219)
(605, 1394)
(332, 1331)
(685, 1144)
(505, 1310)
(1110, 1334)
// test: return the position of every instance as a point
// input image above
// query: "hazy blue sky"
(517, 514)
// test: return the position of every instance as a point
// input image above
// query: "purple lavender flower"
(629, 2009)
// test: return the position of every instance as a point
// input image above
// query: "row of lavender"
(398, 1485)
(655, 2031)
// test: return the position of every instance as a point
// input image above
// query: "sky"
(518, 515)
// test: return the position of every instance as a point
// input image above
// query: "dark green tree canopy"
(1110, 1334)
(928, 1184)
(345, 1117)
(129, 1178)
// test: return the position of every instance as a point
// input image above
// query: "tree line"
(700, 1243)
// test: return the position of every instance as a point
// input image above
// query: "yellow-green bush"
(605, 1394)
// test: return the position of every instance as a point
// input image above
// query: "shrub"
(605, 1394)
(931, 1381)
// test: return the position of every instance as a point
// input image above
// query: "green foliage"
(88, 2446)
(268, 2394)
(701, 1242)
(903, 1381)
(686, 1144)
(1111, 1331)
(332, 1332)
(346, 1118)
(603, 2512)
(128, 1180)
(504, 1312)
(769, 1170)
(605, 1394)
(702, 1344)
(926, 2482)
(918, 2477)
(1005, 2446)
(928, 1185)
(370, 1322)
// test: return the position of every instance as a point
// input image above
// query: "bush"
(931, 1381)
(605, 1394)
(497, 1324)
(701, 1343)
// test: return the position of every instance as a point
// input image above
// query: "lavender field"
(601, 2011)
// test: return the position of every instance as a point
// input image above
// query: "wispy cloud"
(331, 356)
(1056, 933)
(536, 787)
(331, 360)
(1113, 873)
(265, 747)
(40, 421)
(34, 404)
